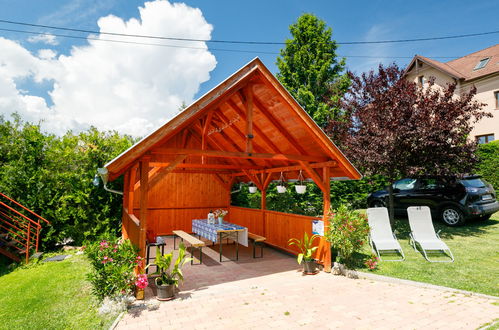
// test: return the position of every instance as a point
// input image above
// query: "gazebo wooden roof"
(248, 128)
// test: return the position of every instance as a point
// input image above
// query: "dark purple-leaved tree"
(398, 128)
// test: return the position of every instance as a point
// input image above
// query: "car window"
(430, 184)
(475, 183)
(405, 184)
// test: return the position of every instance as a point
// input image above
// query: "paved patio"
(272, 293)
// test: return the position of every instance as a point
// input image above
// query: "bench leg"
(254, 248)
(174, 242)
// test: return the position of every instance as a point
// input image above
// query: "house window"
(496, 97)
(482, 63)
(482, 139)
(421, 80)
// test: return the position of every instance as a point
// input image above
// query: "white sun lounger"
(423, 233)
(381, 237)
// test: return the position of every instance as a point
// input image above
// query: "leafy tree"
(309, 69)
(53, 177)
(401, 129)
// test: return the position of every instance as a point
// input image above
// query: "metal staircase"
(19, 229)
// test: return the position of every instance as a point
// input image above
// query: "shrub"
(113, 264)
(347, 232)
(488, 162)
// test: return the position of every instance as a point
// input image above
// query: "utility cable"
(213, 49)
(250, 42)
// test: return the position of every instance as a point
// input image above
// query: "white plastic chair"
(423, 233)
(381, 237)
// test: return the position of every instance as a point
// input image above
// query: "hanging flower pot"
(300, 187)
(281, 186)
(252, 188)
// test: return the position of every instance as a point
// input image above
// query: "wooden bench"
(257, 240)
(193, 242)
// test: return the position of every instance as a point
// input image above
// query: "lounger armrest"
(438, 232)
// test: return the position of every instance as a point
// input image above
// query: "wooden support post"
(124, 217)
(144, 192)
(263, 206)
(131, 189)
(205, 126)
(248, 93)
(327, 206)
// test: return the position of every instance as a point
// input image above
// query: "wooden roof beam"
(208, 166)
(165, 170)
(225, 120)
(291, 140)
(258, 131)
(231, 154)
(331, 163)
(313, 174)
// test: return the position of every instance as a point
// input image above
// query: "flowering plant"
(220, 213)
(113, 264)
(372, 262)
(347, 232)
(141, 281)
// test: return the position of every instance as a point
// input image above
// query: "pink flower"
(142, 281)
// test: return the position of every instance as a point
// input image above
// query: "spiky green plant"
(169, 276)
(306, 247)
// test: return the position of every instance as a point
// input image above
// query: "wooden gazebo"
(248, 128)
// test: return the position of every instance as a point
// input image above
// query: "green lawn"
(53, 295)
(476, 251)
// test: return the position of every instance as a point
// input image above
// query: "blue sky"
(230, 20)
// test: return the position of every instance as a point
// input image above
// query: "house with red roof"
(479, 69)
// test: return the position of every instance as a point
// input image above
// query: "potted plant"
(281, 186)
(220, 215)
(169, 279)
(307, 248)
(300, 187)
(252, 188)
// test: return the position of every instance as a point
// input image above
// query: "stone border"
(117, 320)
(383, 278)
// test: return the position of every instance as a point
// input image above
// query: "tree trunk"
(391, 210)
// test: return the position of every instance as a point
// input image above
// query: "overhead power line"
(248, 42)
(210, 48)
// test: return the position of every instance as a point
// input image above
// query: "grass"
(52, 295)
(476, 251)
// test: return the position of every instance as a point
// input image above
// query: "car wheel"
(452, 216)
(377, 204)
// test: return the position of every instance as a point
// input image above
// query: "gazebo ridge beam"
(231, 104)
(231, 154)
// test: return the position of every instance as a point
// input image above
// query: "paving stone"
(218, 293)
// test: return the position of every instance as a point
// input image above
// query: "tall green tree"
(311, 71)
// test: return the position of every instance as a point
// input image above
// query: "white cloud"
(127, 87)
(46, 38)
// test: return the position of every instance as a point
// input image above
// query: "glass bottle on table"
(211, 217)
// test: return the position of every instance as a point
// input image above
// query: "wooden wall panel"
(280, 227)
(249, 218)
(180, 197)
(131, 230)
(183, 190)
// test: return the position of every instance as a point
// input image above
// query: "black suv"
(452, 200)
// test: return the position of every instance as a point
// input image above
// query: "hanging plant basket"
(252, 188)
(281, 186)
(300, 187)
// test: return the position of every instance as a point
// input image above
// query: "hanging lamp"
(300, 187)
